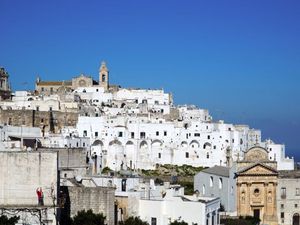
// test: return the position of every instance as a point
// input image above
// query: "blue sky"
(239, 59)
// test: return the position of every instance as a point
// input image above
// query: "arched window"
(203, 189)
(211, 181)
(220, 183)
(243, 197)
(103, 78)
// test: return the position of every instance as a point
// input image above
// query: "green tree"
(88, 218)
(176, 222)
(4, 220)
(134, 221)
(248, 220)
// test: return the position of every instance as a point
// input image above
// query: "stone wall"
(174, 115)
(48, 121)
(99, 199)
(70, 157)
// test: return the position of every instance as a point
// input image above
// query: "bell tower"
(103, 76)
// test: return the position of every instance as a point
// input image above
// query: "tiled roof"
(218, 170)
(54, 83)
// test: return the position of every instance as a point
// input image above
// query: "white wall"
(21, 173)
(191, 210)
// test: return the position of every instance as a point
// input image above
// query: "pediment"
(256, 154)
(258, 169)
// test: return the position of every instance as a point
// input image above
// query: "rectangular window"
(153, 221)
(165, 133)
(50, 108)
(120, 134)
(297, 191)
(282, 206)
(159, 155)
(196, 134)
(156, 102)
(37, 108)
(96, 134)
(208, 136)
(157, 133)
(186, 155)
(283, 193)
(143, 135)
(132, 134)
(282, 215)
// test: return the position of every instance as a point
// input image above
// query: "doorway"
(256, 213)
(296, 219)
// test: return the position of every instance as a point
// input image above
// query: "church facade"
(53, 87)
(257, 180)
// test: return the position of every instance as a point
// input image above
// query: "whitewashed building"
(141, 128)
(172, 205)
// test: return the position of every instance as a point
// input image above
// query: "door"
(256, 213)
(296, 219)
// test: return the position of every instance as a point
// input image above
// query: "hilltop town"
(80, 144)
